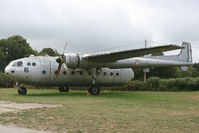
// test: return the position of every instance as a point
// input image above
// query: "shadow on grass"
(73, 93)
(56, 94)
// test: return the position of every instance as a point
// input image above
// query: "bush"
(152, 83)
(5, 81)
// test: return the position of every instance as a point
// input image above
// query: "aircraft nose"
(6, 70)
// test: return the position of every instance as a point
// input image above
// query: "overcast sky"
(90, 25)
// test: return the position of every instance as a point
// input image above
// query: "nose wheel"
(22, 90)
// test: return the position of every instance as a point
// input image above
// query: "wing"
(114, 56)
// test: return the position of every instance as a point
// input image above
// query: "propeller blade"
(58, 71)
(65, 47)
(61, 61)
(67, 70)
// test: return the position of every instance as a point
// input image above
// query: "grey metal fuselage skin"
(41, 70)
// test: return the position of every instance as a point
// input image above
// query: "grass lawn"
(109, 112)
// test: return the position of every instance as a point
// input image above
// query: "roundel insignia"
(137, 62)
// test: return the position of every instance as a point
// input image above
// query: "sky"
(94, 25)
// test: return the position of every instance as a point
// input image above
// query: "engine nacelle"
(72, 60)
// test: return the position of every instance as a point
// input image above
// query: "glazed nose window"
(14, 64)
(19, 63)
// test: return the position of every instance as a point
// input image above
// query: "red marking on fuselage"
(137, 62)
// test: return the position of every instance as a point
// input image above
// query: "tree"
(164, 72)
(48, 51)
(12, 48)
(196, 65)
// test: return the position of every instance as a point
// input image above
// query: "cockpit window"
(14, 64)
(19, 63)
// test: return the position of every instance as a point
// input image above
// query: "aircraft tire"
(94, 90)
(22, 91)
(66, 89)
(63, 89)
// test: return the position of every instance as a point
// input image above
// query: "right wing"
(114, 56)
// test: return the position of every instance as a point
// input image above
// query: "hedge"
(157, 84)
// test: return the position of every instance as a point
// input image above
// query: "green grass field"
(109, 112)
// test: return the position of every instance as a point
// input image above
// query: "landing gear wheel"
(63, 89)
(22, 90)
(94, 90)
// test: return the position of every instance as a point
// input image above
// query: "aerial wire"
(111, 48)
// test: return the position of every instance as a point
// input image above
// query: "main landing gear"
(94, 90)
(63, 89)
(21, 90)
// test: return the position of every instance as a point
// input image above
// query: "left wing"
(114, 56)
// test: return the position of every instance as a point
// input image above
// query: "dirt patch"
(7, 106)
(5, 110)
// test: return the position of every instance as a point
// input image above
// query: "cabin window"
(64, 72)
(43, 72)
(33, 64)
(104, 73)
(19, 63)
(28, 64)
(111, 73)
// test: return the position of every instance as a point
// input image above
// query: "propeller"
(61, 62)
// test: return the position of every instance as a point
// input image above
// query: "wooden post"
(144, 76)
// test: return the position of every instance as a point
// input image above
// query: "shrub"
(5, 81)
(152, 83)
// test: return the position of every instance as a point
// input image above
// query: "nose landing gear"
(63, 89)
(21, 90)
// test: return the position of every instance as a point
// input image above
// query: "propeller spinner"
(61, 61)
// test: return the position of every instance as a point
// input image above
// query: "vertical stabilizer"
(186, 53)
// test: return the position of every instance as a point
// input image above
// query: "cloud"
(91, 25)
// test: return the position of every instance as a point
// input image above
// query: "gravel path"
(13, 129)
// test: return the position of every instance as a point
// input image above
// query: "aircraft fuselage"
(42, 71)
